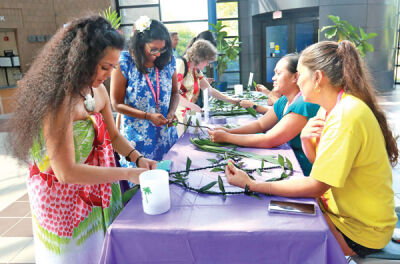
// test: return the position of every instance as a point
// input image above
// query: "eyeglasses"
(156, 51)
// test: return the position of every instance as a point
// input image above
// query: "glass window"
(130, 15)
(127, 31)
(186, 31)
(231, 78)
(233, 65)
(136, 2)
(232, 27)
(227, 10)
(180, 10)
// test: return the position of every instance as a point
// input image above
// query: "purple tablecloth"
(201, 228)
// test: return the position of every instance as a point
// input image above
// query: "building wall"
(39, 18)
(380, 16)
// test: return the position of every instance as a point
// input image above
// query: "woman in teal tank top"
(282, 125)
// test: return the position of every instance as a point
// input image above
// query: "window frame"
(231, 37)
(159, 6)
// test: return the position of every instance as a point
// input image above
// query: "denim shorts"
(360, 250)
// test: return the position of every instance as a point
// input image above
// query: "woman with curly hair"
(64, 125)
(191, 79)
(144, 90)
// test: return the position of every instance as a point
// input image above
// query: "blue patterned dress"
(151, 141)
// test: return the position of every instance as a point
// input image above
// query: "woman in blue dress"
(283, 123)
(144, 90)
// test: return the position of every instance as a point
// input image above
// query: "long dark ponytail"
(342, 64)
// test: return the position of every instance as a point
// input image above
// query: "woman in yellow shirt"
(351, 147)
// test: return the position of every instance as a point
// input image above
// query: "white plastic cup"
(154, 185)
(238, 89)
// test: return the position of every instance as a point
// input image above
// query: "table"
(202, 228)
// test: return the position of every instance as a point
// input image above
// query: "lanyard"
(156, 96)
(339, 97)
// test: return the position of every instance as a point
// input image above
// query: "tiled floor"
(16, 242)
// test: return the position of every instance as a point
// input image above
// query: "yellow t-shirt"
(352, 159)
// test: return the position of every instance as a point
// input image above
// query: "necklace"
(90, 103)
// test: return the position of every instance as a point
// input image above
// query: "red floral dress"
(72, 218)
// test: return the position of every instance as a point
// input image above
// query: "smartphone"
(291, 207)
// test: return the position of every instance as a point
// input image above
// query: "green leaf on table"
(221, 184)
(183, 181)
(289, 164)
(188, 163)
(258, 172)
(217, 169)
(213, 161)
(252, 111)
(197, 122)
(255, 85)
(208, 186)
(262, 164)
(177, 176)
(130, 193)
(189, 122)
(281, 161)
(220, 156)
(207, 145)
(284, 175)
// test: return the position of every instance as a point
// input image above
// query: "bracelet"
(145, 115)
(127, 156)
(255, 106)
(137, 160)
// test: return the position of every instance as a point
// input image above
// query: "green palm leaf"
(112, 17)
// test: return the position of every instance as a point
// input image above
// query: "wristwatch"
(255, 106)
